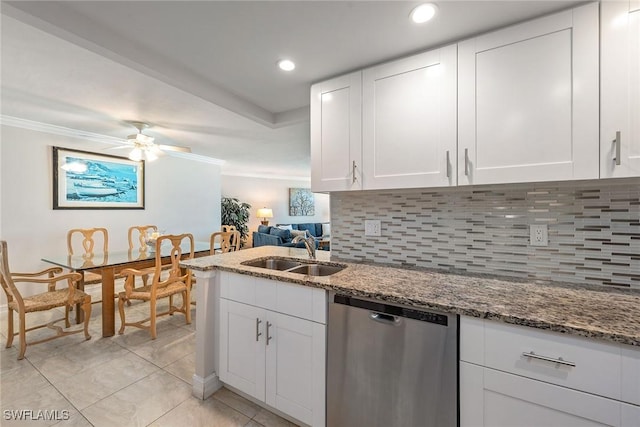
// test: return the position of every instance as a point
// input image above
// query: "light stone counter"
(603, 313)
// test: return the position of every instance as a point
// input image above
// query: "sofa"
(283, 234)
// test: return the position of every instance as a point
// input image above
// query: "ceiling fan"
(143, 146)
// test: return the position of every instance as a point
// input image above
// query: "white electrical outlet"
(372, 227)
(539, 235)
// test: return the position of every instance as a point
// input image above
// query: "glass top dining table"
(108, 265)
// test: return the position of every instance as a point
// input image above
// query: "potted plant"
(236, 213)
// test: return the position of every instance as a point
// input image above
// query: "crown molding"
(266, 176)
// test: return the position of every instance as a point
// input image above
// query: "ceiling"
(203, 73)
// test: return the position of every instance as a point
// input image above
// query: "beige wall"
(274, 194)
(181, 196)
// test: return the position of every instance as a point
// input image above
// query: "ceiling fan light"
(423, 13)
(135, 154)
(150, 155)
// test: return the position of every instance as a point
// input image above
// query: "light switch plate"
(538, 235)
(372, 227)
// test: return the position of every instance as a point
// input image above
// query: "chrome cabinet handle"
(617, 142)
(353, 172)
(466, 162)
(559, 360)
(269, 338)
(258, 333)
(448, 166)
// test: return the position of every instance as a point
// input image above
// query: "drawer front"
(248, 289)
(301, 301)
(596, 365)
(286, 298)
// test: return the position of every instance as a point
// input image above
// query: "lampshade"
(265, 213)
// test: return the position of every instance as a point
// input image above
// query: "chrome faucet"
(309, 243)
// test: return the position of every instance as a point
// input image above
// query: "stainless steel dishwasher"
(390, 366)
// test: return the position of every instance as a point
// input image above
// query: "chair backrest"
(228, 241)
(227, 228)
(182, 247)
(138, 233)
(88, 241)
(8, 286)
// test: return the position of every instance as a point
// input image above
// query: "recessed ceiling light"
(286, 64)
(423, 13)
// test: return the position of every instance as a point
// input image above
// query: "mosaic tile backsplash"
(594, 229)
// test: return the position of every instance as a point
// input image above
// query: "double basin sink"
(311, 268)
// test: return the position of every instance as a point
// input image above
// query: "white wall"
(180, 196)
(274, 194)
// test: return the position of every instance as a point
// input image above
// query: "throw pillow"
(285, 235)
(326, 230)
(264, 229)
(309, 227)
(284, 226)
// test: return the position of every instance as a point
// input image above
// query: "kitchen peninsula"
(578, 311)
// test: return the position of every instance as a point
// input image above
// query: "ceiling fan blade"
(120, 147)
(174, 148)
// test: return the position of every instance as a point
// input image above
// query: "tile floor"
(125, 380)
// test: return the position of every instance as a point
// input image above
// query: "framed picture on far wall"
(83, 180)
(301, 202)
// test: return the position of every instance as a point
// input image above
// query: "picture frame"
(85, 180)
(301, 202)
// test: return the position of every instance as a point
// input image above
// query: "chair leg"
(152, 326)
(10, 332)
(23, 337)
(121, 310)
(86, 308)
(67, 308)
(170, 305)
(186, 305)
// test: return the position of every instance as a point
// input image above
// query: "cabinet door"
(242, 355)
(528, 101)
(620, 89)
(492, 398)
(295, 361)
(409, 121)
(336, 137)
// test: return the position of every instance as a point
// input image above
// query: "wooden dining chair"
(178, 281)
(49, 300)
(137, 236)
(224, 241)
(83, 241)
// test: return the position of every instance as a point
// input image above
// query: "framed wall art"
(83, 180)
(301, 202)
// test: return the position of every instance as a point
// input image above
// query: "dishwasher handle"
(387, 319)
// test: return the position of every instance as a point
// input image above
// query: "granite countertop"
(591, 311)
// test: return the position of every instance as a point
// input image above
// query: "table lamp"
(265, 213)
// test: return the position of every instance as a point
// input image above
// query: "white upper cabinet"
(620, 89)
(528, 101)
(409, 121)
(336, 138)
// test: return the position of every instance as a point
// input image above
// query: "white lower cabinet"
(274, 357)
(519, 376)
(295, 361)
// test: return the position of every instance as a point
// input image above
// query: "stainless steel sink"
(294, 266)
(316, 269)
(272, 263)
